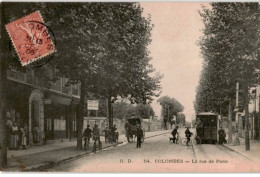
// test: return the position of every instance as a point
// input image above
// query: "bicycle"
(193, 140)
(177, 140)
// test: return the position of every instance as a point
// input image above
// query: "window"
(75, 89)
(65, 89)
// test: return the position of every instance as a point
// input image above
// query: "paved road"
(158, 155)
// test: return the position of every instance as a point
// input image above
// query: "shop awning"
(64, 100)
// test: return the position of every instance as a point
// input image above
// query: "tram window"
(208, 121)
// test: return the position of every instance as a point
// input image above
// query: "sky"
(174, 49)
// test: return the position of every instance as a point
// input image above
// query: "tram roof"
(207, 113)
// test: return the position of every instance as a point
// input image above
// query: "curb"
(49, 164)
(196, 155)
(45, 165)
(237, 152)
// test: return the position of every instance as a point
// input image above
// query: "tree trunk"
(230, 121)
(258, 122)
(3, 81)
(247, 143)
(110, 117)
(81, 114)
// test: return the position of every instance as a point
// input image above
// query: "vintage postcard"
(169, 87)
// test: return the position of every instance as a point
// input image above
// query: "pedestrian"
(188, 135)
(9, 125)
(165, 123)
(25, 128)
(106, 132)
(87, 135)
(96, 136)
(174, 133)
(114, 133)
(36, 132)
(139, 135)
(23, 138)
(127, 131)
(171, 123)
(15, 137)
(222, 136)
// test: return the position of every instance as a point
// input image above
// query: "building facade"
(53, 110)
(254, 115)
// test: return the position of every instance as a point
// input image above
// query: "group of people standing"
(17, 137)
(88, 132)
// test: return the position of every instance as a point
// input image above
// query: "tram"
(207, 126)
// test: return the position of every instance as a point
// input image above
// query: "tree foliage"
(170, 106)
(230, 48)
(102, 46)
(123, 110)
(181, 118)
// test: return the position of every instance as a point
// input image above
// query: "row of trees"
(181, 119)
(123, 110)
(102, 46)
(170, 107)
(230, 47)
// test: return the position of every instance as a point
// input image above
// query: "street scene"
(130, 87)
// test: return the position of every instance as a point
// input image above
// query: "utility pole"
(230, 120)
(247, 140)
(236, 139)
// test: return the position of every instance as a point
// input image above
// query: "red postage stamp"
(30, 38)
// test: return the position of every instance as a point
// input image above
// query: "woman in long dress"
(23, 137)
(15, 136)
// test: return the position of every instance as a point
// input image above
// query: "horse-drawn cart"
(131, 128)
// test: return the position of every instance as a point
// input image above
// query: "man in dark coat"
(188, 135)
(87, 135)
(222, 136)
(174, 133)
(139, 135)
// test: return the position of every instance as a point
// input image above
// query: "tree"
(181, 119)
(145, 110)
(120, 109)
(125, 70)
(123, 110)
(109, 50)
(170, 106)
(231, 40)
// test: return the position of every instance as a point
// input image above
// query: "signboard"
(92, 104)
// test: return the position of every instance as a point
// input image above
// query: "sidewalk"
(36, 157)
(253, 154)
